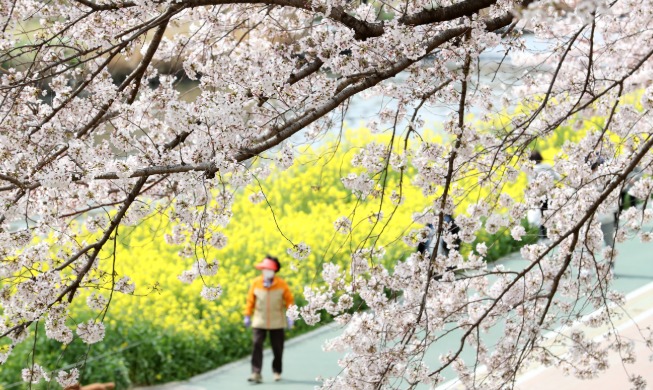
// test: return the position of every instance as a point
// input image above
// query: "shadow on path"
(631, 276)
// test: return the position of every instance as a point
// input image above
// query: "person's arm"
(251, 301)
(287, 296)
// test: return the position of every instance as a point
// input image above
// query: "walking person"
(626, 200)
(267, 301)
(426, 247)
(608, 219)
(536, 216)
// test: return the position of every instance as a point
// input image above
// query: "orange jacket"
(267, 305)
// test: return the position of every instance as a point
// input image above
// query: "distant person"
(536, 216)
(453, 229)
(625, 199)
(265, 311)
(608, 220)
(426, 247)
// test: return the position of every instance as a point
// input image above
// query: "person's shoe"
(255, 377)
(276, 376)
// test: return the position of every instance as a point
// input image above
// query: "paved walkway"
(304, 360)
(632, 328)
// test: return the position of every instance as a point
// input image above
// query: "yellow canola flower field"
(301, 206)
(304, 202)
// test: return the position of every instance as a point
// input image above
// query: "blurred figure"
(608, 220)
(267, 301)
(427, 247)
(625, 199)
(536, 216)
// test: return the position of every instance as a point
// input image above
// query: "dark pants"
(626, 200)
(543, 207)
(277, 337)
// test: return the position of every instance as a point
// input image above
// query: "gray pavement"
(305, 362)
(631, 328)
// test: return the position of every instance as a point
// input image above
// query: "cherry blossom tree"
(76, 137)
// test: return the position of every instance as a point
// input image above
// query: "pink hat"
(267, 264)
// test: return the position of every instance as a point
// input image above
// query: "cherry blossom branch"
(12, 180)
(49, 159)
(122, 201)
(277, 135)
(19, 195)
(362, 29)
(78, 90)
(95, 248)
(574, 230)
(106, 7)
(305, 71)
(135, 76)
(446, 188)
(450, 12)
